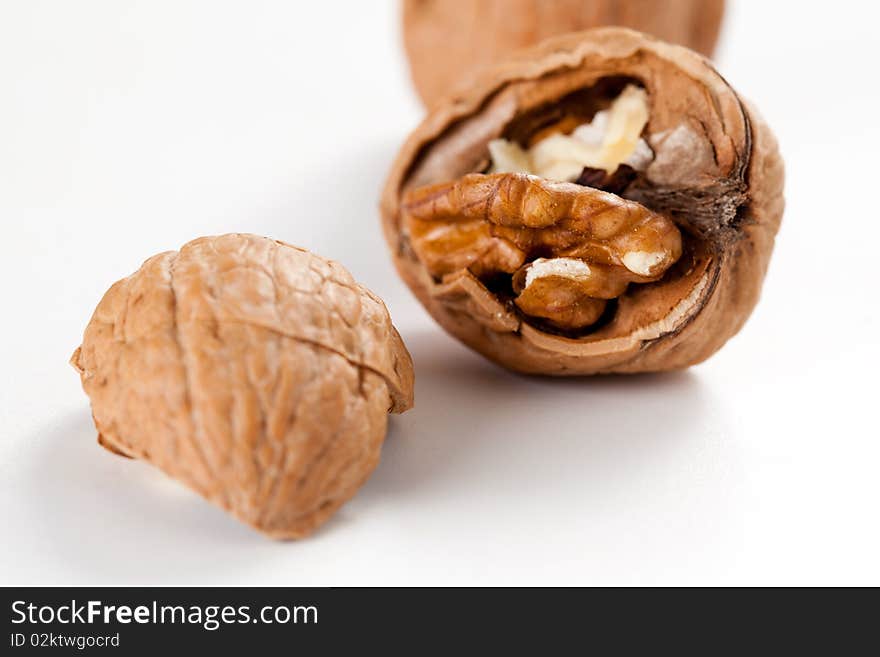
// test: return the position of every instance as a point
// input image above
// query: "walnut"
(496, 224)
(449, 41)
(611, 139)
(637, 241)
(256, 373)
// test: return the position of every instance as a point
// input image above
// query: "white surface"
(127, 128)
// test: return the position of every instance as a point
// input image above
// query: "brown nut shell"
(256, 373)
(716, 171)
(447, 41)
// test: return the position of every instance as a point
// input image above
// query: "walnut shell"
(448, 40)
(716, 171)
(256, 373)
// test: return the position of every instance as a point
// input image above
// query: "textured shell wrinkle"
(708, 161)
(297, 294)
(256, 373)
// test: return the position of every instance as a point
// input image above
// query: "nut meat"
(448, 41)
(495, 224)
(253, 371)
(603, 202)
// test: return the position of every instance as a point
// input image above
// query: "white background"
(128, 128)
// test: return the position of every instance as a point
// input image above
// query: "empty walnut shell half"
(449, 40)
(256, 373)
(603, 202)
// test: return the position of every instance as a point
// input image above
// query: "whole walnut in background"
(255, 372)
(447, 41)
